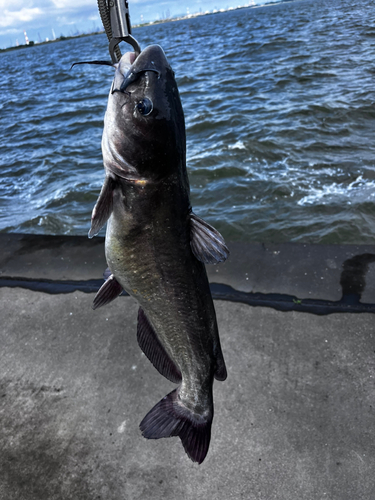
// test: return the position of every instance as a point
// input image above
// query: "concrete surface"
(293, 421)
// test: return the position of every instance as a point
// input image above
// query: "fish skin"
(148, 247)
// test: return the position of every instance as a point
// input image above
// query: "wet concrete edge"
(64, 264)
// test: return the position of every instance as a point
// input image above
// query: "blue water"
(280, 120)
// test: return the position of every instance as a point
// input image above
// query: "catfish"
(156, 247)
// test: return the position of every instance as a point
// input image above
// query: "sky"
(43, 19)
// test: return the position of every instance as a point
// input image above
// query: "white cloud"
(72, 4)
(16, 4)
(34, 14)
(11, 18)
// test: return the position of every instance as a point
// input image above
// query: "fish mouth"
(132, 76)
(130, 68)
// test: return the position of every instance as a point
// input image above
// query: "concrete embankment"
(293, 421)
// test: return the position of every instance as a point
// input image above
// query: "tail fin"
(170, 418)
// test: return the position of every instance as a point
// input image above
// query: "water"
(279, 108)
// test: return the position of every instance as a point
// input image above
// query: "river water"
(280, 119)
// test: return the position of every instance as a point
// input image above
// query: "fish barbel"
(156, 247)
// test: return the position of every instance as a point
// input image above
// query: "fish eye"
(144, 106)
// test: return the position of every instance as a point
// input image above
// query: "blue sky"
(43, 19)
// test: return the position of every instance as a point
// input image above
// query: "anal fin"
(206, 242)
(150, 344)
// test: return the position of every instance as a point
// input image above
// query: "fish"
(156, 247)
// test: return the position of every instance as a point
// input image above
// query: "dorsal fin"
(206, 242)
(150, 344)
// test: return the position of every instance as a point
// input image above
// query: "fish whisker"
(99, 63)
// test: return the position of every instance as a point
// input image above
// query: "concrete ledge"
(305, 272)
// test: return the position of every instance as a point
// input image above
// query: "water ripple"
(279, 108)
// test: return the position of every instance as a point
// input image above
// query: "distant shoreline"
(142, 25)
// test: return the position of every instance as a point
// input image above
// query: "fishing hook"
(116, 21)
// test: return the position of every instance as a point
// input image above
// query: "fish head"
(144, 127)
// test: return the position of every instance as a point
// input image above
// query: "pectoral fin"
(109, 291)
(150, 344)
(206, 242)
(103, 207)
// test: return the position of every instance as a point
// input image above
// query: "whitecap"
(237, 145)
(359, 187)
